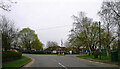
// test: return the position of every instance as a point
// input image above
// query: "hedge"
(10, 55)
(36, 52)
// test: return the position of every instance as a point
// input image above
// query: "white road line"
(62, 65)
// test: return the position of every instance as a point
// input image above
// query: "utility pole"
(100, 39)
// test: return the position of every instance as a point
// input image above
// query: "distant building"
(56, 49)
(59, 49)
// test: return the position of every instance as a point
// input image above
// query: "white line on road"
(62, 65)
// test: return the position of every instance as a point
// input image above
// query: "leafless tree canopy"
(8, 32)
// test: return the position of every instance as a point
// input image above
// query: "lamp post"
(100, 39)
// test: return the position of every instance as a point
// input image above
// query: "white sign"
(54, 51)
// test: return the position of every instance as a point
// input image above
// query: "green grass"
(105, 58)
(102, 57)
(23, 57)
(86, 57)
(92, 57)
(17, 63)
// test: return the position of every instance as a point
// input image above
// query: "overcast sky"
(51, 19)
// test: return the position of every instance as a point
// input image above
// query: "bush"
(33, 52)
(48, 52)
(24, 51)
(37, 52)
(10, 55)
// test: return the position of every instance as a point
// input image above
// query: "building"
(59, 49)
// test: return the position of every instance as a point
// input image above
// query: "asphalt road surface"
(63, 61)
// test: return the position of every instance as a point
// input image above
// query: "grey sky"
(40, 15)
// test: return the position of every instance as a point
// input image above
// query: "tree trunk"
(79, 49)
(119, 38)
(90, 54)
(107, 53)
(108, 43)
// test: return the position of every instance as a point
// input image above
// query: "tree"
(9, 33)
(26, 37)
(51, 45)
(110, 15)
(6, 4)
(105, 41)
(37, 45)
(81, 31)
(85, 33)
(68, 45)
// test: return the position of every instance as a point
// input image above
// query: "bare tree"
(8, 32)
(80, 34)
(110, 14)
(6, 4)
(51, 44)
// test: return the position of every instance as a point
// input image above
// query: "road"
(63, 61)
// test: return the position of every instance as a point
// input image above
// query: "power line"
(54, 27)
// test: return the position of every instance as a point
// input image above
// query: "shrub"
(37, 52)
(49, 52)
(10, 55)
(33, 52)
(25, 51)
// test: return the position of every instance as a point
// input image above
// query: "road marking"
(62, 65)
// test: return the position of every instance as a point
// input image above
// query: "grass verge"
(92, 57)
(18, 63)
(104, 59)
